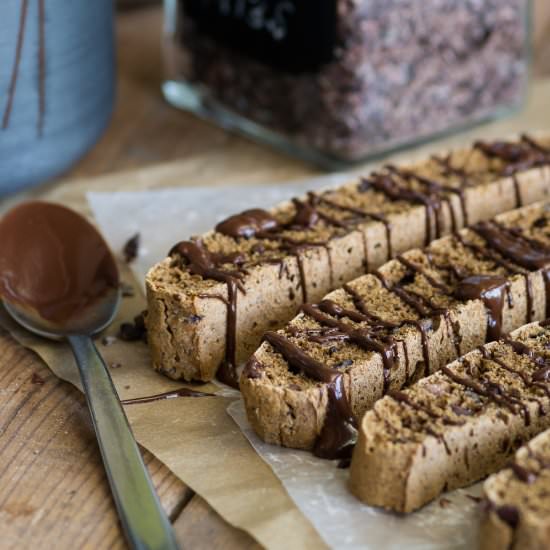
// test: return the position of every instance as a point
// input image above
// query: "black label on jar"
(291, 35)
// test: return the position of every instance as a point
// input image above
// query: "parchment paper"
(316, 486)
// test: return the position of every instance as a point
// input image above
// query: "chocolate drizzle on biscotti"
(248, 224)
(363, 215)
(431, 290)
(362, 338)
(475, 379)
(339, 432)
(490, 289)
(528, 253)
(441, 191)
(524, 379)
(516, 156)
(199, 261)
(424, 310)
(489, 398)
(313, 221)
(491, 390)
(386, 184)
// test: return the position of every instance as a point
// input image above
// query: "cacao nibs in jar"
(398, 71)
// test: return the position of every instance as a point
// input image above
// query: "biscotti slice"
(212, 299)
(455, 426)
(307, 384)
(517, 505)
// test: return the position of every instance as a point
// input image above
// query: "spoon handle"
(139, 509)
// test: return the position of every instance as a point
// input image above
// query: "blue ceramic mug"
(56, 85)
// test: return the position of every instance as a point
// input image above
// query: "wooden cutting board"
(54, 492)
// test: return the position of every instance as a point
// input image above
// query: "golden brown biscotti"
(517, 506)
(455, 426)
(212, 299)
(386, 330)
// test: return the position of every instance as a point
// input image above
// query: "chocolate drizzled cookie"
(214, 297)
(458, 425)
(408, 319)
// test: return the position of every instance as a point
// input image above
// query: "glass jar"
(343, 80)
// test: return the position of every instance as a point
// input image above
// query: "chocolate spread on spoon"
(53, 261)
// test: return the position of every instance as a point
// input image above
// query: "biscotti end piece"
(188, 331)
(417, 471)
(389, 489)
(455, 426)
(175, 333)
(279, 426)
(517, 507)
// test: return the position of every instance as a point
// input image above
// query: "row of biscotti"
(309, 383)
(211, 300)
(461, 424)
(455, 426)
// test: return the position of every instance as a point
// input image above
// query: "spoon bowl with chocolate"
(59, 280)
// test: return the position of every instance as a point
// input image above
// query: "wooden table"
(54, 491)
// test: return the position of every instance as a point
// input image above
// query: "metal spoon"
(58, 279)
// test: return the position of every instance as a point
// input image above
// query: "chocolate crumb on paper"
(130, 250)
(444, 502)
(127, 290)
(133, 332)
(344, 463)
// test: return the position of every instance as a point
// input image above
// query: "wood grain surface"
(54, 492)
